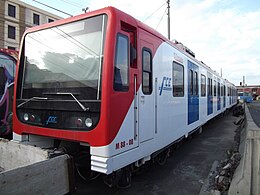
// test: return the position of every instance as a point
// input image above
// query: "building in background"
(15, 17)
(254, 90)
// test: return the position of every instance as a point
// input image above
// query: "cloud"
(219, 32)
(223, 37)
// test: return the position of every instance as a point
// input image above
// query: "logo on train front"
(51, 120)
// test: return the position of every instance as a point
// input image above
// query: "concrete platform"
(246, 179)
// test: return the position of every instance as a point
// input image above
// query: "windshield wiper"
(71, 94)
(32, 98)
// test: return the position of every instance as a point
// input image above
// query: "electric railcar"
(8, 59)
(112, 91)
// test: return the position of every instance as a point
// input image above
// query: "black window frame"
(36, 19)
(11, 10)
(149, 72)
(177, 93)
(203, 85)
(121, 87)
(11, 32)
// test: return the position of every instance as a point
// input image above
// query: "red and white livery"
(111, 90)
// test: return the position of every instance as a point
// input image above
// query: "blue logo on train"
(165, 85)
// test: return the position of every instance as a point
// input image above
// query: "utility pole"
(169, 25)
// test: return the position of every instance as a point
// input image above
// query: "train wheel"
(126, 178)
(121, 178)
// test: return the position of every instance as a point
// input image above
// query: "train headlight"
(88, 122)
(32, 118)
(79, 122)
(26, 117)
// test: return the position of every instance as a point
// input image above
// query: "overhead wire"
(161, 18)
(73, 3)
(154, 12)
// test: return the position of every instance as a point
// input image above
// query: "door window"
(147, 72)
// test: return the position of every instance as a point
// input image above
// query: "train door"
(209, 95)
(146, 94)
(193, 93)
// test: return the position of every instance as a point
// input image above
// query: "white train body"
(161, 95)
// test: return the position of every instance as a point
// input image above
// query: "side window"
(208, 86)
(196, 87)
(203, 85)
(121, 68)
(178, 80)
(218, 89)
(215, 88)
(2, 81)
(190, 82)
(147, 72)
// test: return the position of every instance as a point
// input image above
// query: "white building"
(15, 17)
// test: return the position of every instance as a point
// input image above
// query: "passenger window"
(218, 89)
(121, 68)
(178, 80)
(147, 72)
(196, 87)
(203, 85)
(215, 88)
(2, 81)
(190, 82)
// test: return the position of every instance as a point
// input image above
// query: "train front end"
(58, 91)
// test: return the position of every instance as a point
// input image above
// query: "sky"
(224, 34)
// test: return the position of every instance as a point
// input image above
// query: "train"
(8, 59)
(245, 97)
(112, 92)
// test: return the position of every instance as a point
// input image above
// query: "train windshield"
(65, 59)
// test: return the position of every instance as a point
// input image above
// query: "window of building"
(11, 32)
(224, 90)
(178, 80)
(203, 85)
(10, 47)
(50, 20)
(121, 68)
(11, 10)
(147, 81)
(36, 19)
